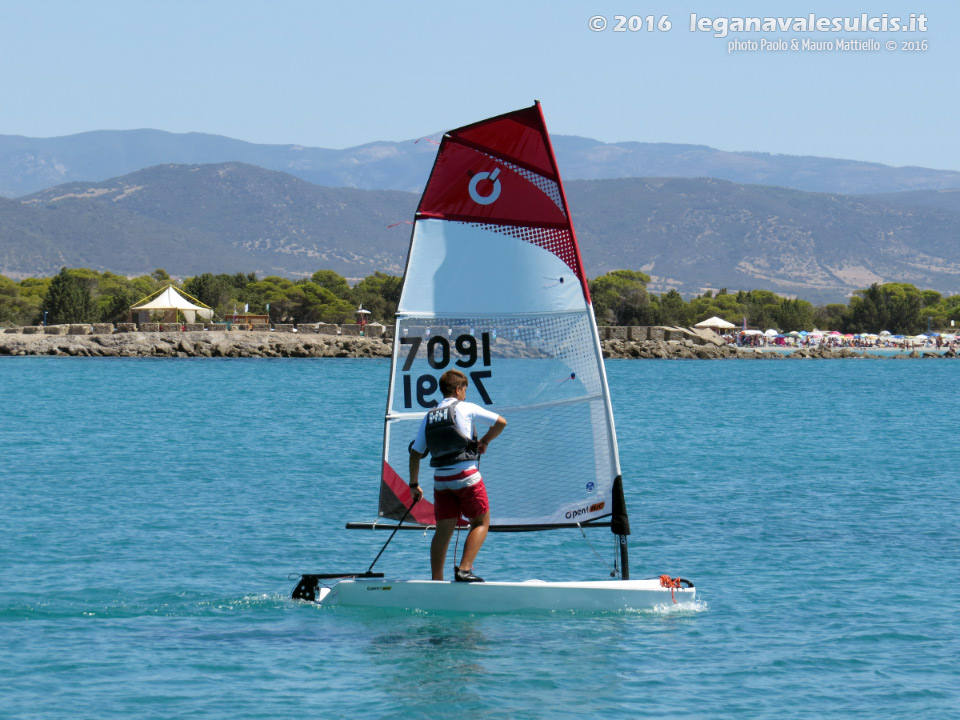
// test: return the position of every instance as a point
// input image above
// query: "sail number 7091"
(438, 349)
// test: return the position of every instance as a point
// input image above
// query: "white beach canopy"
(715, 322)
(170, 299)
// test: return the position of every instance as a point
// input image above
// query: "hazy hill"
(190, 219)
(948, 200)
(31, 164)
(37, 240)
(694, 234)
(687, 234)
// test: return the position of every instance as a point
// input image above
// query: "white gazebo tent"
(716, 324)
(169, 301)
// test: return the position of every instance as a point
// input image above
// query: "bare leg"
(478, 533)
(439, 545)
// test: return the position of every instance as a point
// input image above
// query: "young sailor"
(449, 435)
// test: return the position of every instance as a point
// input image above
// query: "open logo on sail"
(494, 183)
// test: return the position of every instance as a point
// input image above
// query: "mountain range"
(28, 165)
(687, 233)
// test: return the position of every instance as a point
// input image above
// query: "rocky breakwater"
(692, 344)
(668, 343)
(248, 344)
(324, 341)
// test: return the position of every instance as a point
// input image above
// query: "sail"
(495, 287)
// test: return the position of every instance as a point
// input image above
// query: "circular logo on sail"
(591, 487)
(494, 193)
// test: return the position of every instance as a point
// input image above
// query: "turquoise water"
(152, 510)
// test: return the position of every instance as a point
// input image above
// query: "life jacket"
(445, 441)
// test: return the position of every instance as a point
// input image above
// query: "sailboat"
(495, 287)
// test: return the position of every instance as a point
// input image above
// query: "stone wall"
(635, 334)
(128, 342)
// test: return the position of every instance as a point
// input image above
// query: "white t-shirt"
(466, 413)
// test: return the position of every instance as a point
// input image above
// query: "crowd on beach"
(835, 339)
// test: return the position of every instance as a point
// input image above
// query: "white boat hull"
(497, 597)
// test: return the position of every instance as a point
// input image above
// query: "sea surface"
(153, 513)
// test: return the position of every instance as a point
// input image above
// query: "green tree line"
(619, 297)
(88, 296)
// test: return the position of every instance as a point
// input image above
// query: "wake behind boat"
(494, 287)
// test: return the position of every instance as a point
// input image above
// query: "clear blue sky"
(341, 74)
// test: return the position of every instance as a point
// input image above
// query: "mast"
(620, 526)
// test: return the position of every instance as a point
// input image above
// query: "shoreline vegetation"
(677, 343)
(620, 299)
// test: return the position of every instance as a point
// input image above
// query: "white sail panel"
(462, 268)
(556, 463)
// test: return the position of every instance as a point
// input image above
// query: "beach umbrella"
(884, 332)
(770, 333)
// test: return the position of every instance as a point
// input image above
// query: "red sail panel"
(472, 186)
(517, 136)
(422, 512)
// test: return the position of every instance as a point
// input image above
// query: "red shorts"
(471, 502)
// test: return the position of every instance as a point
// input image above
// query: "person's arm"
(492, 433)
(415, 490)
